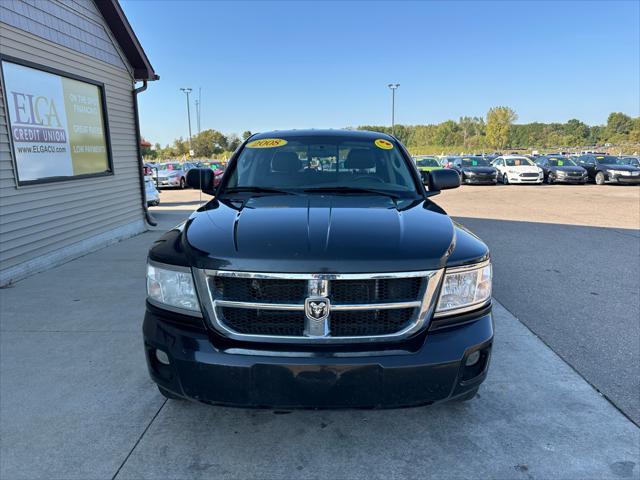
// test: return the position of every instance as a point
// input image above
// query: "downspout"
(147, 215)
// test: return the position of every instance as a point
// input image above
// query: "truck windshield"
(307, 163)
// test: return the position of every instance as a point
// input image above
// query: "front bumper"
(519, 179)
(569, 179)
(227, 375)
(476, 180)
(169, 182)
(625, 179)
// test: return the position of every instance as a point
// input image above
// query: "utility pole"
(197, 102)
(393, 87)
(188, 91)
(199, 107)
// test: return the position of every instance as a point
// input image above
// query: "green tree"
(246, 134)
(208, 143)
(448, 134)
(577, 129)
(620, 123)
(471, 128)
(499, 122)
(233, 142)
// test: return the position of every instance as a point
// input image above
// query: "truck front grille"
(370, 322)
(264, 322)
(317, 308)
(372, 291)
(259, 289)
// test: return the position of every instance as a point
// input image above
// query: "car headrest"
(286, 162)
(360, 159)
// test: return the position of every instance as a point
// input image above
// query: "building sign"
(56, 124)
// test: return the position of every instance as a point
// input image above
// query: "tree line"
(498, 131)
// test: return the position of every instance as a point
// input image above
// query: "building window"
(58, 126)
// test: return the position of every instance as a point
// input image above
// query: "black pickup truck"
(321, 275)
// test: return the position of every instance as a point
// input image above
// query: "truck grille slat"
(310, 308)
(373, 291)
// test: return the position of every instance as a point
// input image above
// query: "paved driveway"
(76, 402)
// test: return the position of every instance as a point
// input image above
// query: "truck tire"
(600, 180)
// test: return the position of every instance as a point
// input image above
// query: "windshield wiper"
(352, 190)
(257, 190)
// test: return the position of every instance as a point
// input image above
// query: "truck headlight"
(172, 286)
(464, 288)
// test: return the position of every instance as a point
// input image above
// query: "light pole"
(393, 87)
(188, 91)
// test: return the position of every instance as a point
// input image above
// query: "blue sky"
(275, 65)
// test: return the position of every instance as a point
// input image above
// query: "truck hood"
(320, 233)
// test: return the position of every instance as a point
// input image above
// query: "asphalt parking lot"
(76, 400)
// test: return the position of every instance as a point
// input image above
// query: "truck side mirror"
(202, 179)
(444, 179)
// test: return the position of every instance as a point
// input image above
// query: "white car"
(517, 169)
(152, 193)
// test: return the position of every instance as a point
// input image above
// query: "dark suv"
(321, 276)
(609, 168)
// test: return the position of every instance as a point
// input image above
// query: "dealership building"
(70, 168)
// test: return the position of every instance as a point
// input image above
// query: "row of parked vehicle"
(172, 174)
(599, 168)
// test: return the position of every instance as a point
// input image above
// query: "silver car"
(173, 174)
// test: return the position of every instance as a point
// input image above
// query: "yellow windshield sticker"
(267, 143)
(560, 163)
(383, 144)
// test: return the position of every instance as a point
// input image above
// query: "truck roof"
(356, 134)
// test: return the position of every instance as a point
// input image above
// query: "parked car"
(173, 174)
(517, 169)
(426, 164)
(475, 170)
(561, 169)
(316, 288)
(447, 161)
(631, 160)
(609, 168)
(151, 192)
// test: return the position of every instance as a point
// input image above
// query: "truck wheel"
(167, 394)
(600, 180)
(467, 396)
(505, 179)
(182, 184)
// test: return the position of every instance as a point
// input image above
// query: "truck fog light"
(471, 359)
(163, 358)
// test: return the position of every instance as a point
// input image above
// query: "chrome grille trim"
(319, 285)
